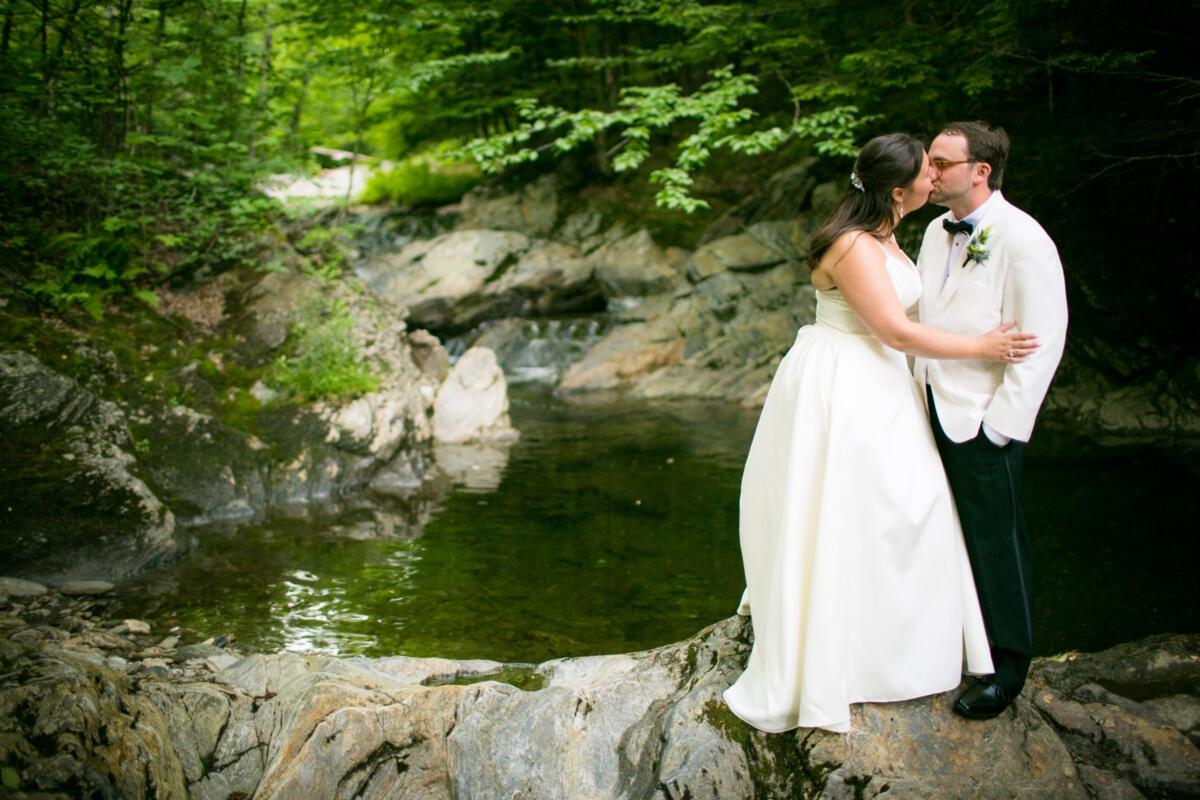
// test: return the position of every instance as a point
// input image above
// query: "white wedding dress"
(857, 578)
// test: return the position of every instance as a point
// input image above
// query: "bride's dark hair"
(884, 163)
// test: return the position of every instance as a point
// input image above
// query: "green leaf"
(100, 271)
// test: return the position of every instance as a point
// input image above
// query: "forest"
(135, 133)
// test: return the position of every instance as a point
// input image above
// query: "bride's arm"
(861, 276)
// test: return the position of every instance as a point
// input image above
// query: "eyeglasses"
(941, 164)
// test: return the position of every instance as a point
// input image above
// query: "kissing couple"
(881, 527)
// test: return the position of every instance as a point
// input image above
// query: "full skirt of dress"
(857, 578)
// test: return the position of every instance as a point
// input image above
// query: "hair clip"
(856, 181)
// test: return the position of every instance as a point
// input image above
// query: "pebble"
(79, 588)
(168, 643)
(155, 662)
(137, 627)
(15, 587)
(9, 621)
(119, 628)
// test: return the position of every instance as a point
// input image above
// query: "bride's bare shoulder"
(849, 244)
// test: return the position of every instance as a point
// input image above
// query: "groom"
(983, 263)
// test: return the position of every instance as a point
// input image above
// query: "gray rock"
(635, 265)
(15, 587)
(60, 437)
(84, 588)
(472, 403)
(198, 651)
(429, 355)
(220, 661)
(137, 627)
(741, 252)
(431, 278)
(648, 724)
(532, 211)
(306, 456)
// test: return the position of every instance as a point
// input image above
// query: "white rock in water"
(86, 587)
(472, 403)
(15, 587)
(137, 626)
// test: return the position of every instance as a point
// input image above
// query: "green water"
(614, 528)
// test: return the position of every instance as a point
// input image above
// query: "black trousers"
(986, 482)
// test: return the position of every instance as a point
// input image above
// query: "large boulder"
(74, 500)
(472, 403)
(636, 265)
(627, 355)
(533, 210)
(651, 724)
(298, 454)
(428, 279)
(720, 337)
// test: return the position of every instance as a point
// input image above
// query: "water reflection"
(611, 526)
(473, 466)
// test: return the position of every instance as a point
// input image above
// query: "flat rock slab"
(81, 588)
(1121, 723)
(15, 587)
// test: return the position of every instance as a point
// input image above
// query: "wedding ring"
(1010, 353)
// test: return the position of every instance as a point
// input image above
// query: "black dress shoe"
(984, 700)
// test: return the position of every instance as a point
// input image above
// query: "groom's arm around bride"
(985, 262)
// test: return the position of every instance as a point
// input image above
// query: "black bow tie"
(958, 227)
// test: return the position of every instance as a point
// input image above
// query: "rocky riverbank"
(115, 450)
(708, 321)
(92, 706)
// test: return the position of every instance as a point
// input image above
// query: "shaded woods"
(132, 133)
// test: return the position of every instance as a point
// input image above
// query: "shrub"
(420, 181)
(322, 363)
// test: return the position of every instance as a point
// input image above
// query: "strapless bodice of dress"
(834, 312)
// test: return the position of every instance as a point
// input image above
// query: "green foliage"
(127, 154)
(419, 181)
(323, 362)
(324, 248)
(714, 108)
(163, 116)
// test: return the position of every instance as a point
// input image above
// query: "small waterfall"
(533, 351)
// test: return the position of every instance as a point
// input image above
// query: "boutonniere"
(977, 249)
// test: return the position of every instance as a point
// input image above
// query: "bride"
(857, 579)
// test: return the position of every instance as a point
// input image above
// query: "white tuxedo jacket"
(1021, 280)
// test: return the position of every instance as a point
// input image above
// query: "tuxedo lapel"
(959, 270)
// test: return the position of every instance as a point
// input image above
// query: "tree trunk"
(241, 43)
(264, 79)
(8, 24)
(45, 49)
(151, 61)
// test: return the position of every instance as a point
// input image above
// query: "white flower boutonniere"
(977, 249)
